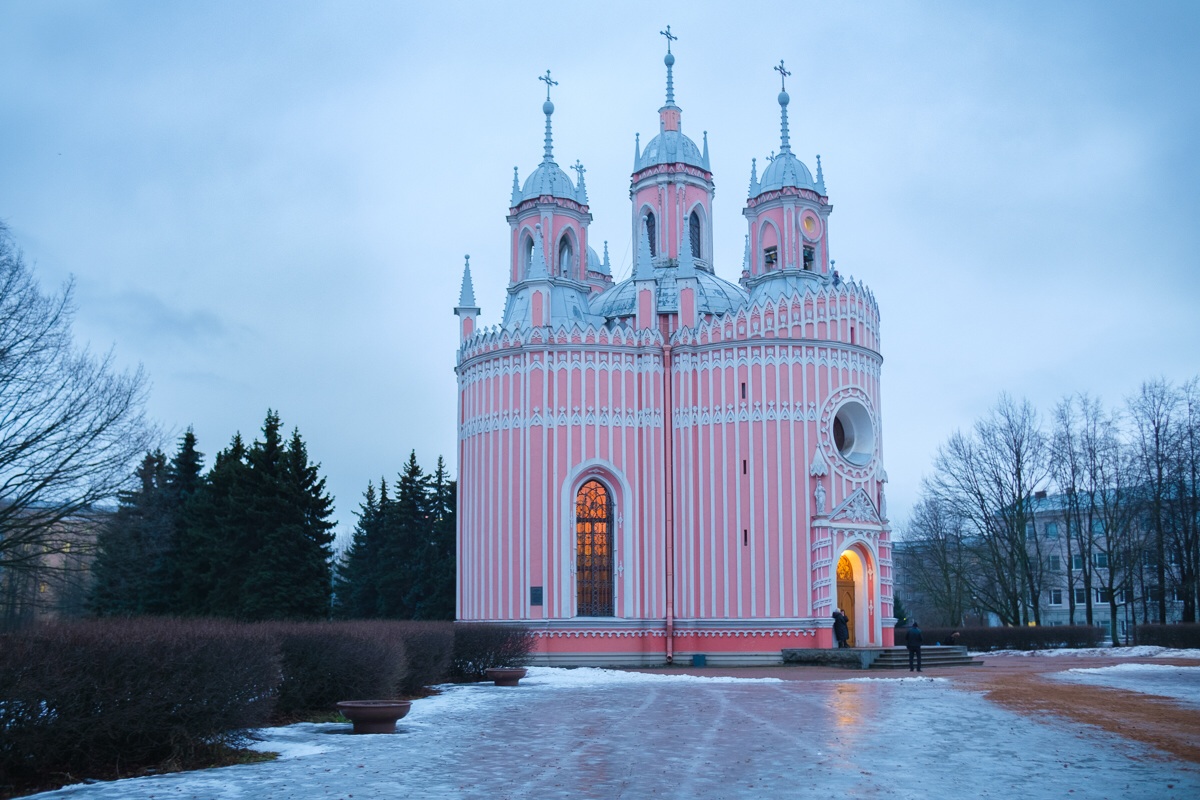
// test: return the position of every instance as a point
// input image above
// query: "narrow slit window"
(770, 257)
(809, 258)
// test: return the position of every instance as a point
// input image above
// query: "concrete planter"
(505, 676)
(374, 716)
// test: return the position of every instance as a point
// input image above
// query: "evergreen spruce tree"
(287, 508)
(405, 529)
(439, 559)
(134, 547)
(356, 586)
(182, 480)
(215, 538)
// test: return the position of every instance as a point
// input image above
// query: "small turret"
(466, 310)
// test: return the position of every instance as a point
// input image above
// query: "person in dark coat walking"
(912, 640)
(841, 628)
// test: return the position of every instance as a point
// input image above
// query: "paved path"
(592, 734)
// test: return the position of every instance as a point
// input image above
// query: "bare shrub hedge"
(478, 647)
(430, 648)
(1037, 637)
(324, 662)
(1180, 635)
(106, 697)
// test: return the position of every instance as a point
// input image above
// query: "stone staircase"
(932, 656)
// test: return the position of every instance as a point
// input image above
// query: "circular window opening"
(853, 433)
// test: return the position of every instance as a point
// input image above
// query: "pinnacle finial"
(753, 176)
(548, 109)
(581, 189)
(687, 259)
(785, 145)
(516, 192)
(537, 259)
(466, 296)
(607, 265)
(669, 60)
(820, 176)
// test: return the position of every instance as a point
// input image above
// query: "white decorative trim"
(819, 468)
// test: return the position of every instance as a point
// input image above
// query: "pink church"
(673, 465)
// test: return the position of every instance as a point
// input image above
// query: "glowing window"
(594, 551)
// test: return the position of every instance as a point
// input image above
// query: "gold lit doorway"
(845, 593)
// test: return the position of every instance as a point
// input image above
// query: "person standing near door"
(841, 628)
(912, 640)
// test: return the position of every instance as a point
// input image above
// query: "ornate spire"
(537, 262)
(753, 177)
(607, 265)
(581, 189)
(820, 176)
(669, 60)
(637, 151)
(548, 110)
(516, 192)
(784, 144)
(705, 156)
(466, 296)
(644, 270)
(746, 256)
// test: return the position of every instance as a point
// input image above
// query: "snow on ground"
(603, 734)
(1179, 683)
(1140, 651)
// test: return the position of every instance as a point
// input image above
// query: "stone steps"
(931, 656)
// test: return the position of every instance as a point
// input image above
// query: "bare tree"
(1185, 505)
(988, 479)
(1066, 468)
(1154, 409)
(936, 562)
(71, 425)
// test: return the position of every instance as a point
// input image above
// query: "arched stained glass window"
(594, 551)
(650, 234)
(694, 233)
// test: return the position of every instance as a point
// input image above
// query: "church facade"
(673, 464)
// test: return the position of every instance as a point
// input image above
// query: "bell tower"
(671, 187)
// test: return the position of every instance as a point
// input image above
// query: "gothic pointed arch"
(695, 233)
(566, 252)
(651, 232)
(594, 540)
(768, 237)
(525, 254)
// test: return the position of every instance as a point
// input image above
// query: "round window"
(853, 433)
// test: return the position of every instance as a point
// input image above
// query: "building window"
(1097, 526)
(1103, 595)
(809, 258)
(1030, 531)
(694, 233)
(1051, 530)
(42, 587)
(1101, 560)
(1056, 597)
(1077, 562)
(1081, 596)
(770, 257)
(1055, 563)
(526, 256)
(650, 234)
(593, 551)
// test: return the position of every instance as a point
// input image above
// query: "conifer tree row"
(401, 560)
(250, 540)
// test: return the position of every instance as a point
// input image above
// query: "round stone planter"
(505, 676)
(374, 716)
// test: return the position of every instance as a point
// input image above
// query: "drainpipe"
(669, 464)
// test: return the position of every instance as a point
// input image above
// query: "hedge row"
(1037, 637)
(1181, 635)
(113, 697)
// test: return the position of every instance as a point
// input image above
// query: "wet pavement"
(795, 732)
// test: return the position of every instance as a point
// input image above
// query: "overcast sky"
(268, 204)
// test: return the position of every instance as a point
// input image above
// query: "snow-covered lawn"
(1140, 651)
(1179, 683)
(591, 733)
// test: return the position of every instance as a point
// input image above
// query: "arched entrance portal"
(593, 551)
(846, 593)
